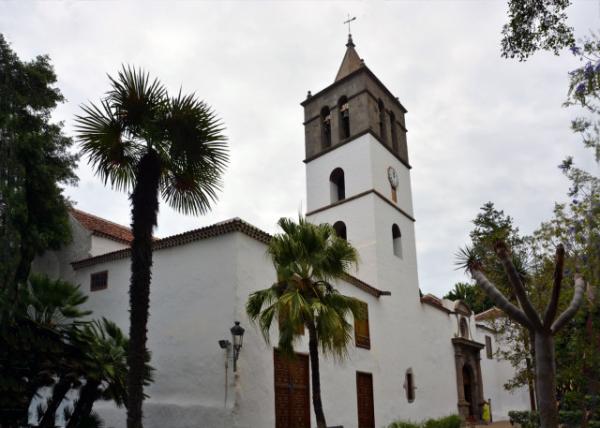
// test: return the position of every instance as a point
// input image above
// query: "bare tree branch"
(569, 313)
(558, 277)
(499, 300)
(518, 287)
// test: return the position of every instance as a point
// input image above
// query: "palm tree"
(144, 141)
(104, 367)
(307, 259)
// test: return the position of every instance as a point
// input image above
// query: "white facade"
(201, 283)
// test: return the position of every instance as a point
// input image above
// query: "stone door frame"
(467, 354)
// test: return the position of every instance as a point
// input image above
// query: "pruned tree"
(543, 327)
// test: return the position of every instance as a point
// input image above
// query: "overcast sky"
(480, 127)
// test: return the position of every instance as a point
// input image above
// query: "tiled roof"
(490, 314)
(102, 227)
(217, 229)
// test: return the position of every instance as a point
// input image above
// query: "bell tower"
(358, 173)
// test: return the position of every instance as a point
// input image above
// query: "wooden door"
(364, 396)
(292, 400)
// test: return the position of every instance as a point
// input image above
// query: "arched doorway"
(468, 378)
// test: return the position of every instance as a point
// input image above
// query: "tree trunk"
(313, 349)
(144, 203)
(58, 393)
(546, 379)
(87, 396)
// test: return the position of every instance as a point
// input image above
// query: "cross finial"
(348, 21)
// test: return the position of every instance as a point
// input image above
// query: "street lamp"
(237, 334)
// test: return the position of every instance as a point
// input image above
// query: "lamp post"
(237, 334)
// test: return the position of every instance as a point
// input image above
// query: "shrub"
(525, 418)
(404, 424)
(452, 421)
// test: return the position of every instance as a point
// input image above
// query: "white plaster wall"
(192, 303)
(354, 158)
(101, 245)
(496, 373)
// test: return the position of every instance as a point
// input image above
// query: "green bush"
(452, 421)
(404, 424)
(525, 418)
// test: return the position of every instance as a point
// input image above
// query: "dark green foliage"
(568, 419)
(471, 295)
(452, 421)
(525, 418)
(34, 163)
(536, 25)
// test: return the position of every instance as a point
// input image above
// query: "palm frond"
(103, 140)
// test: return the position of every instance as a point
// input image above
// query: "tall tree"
(34, 163)
(542, 327)
(536, 25)
(142, 140)
(307, 259)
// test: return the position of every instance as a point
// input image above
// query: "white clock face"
(393, 177)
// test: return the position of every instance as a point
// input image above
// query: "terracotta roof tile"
(431, 300)
(490, 314)
(102, 227)
(217, 229)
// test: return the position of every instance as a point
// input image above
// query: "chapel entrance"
(292, 400)
(468, 378)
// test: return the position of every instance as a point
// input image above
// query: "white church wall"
(496, 373)
(353, 158)
(191, 308)
(101, 245)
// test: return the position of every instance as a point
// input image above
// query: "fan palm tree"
(307, 259)
(142, 140)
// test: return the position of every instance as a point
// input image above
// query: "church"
(414, 357)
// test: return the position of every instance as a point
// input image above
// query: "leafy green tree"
(307, 259)
(141, 139)
(34, 163)
(536, 25)
(471, 295)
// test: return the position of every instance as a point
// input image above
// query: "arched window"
(344, 118)
(340, 229)
(325, 127)
(397, 240)
(394, 130)
(382, 129)
(464, 328)
(337, 185)
(409, 385)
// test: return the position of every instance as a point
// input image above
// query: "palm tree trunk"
(144, 203)
(58, 393)
(88, 395)
(313, 349)
(546, 379)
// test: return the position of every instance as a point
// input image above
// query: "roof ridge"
(100, 218)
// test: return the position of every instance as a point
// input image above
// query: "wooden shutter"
(361, 329)
(364, 397)
(488, 347)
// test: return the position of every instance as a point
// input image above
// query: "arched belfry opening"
(394, 132)
(325, 127)
(337, 185)
(344, 119)
(382, 119)
(340, 229)
(397, 240)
